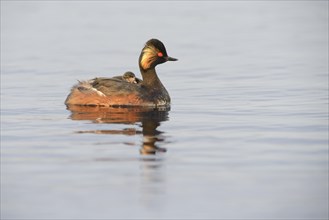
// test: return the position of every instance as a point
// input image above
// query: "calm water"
(246, 135)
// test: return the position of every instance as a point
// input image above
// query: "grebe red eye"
(160, 54)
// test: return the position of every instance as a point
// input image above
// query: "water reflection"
(149, 118)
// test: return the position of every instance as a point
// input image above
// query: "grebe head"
(153, 53)
(129, 77)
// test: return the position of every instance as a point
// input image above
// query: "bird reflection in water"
(149, 118)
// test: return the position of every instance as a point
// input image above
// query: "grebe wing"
(114, 86)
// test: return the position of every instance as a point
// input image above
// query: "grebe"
(119, 92)
(129, 77)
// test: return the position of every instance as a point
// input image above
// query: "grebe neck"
(150, 78)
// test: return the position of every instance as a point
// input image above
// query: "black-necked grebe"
(120, 92)
(129, 77)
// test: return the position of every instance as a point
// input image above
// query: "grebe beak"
(171, 59)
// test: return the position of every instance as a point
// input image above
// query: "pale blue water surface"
(246, 136)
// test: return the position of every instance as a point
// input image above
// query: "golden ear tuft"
(150, 54)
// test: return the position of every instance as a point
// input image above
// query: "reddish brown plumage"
(78, 97)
